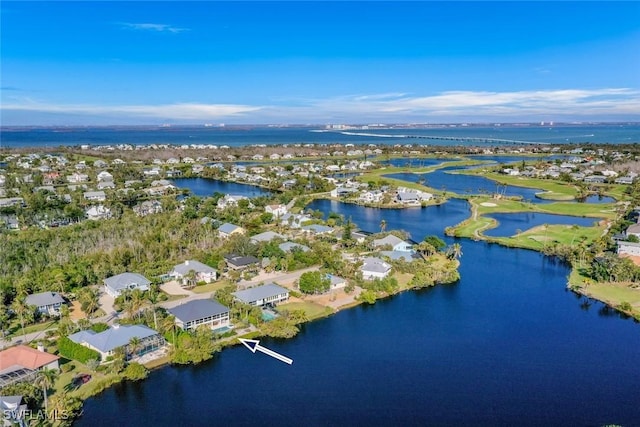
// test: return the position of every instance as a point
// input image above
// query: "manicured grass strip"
(210, 287)
(311, 309)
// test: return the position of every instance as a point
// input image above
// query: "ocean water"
(235, 137)
(507, 345)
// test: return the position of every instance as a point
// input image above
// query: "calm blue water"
(510, 223)
(440, 179)
(469, 184)
(25, 137)
(207, 187)
(419, 222)
(507, 345)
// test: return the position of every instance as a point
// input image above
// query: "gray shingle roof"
(122, 281)
(375, 265)
(227, 228)
(197, 309)
(289, 246)
(44, 298)
(267, 236)
(239, 260)
(388, 240)
(260, 292)
(113, 337)
(196, 266)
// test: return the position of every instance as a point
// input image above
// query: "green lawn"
(16, 329)
(311, 309)
(614, 294)
(211, 287)
(538, 237)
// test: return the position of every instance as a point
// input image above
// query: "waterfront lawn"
(311, 309)
(615, 294)
(596, 210)
(541, 236)
(556, 188)
(15, 330)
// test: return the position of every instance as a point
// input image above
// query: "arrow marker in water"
(254, 345)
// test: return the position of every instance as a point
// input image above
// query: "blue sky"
(318, 62)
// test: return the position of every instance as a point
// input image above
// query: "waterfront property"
(374, 268)
(396, 243)
(292, 246)
(47, 303)
(629, 250)
(202, 312)
(190, 272)
(22, 363)
(106, 342)
(336, 282)
(263, 296)
(115, 285)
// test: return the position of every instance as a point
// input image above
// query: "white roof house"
(202, 272)
(374, 268)
(264, 295)
(46, 302)
(396, 243)
(107, 341)
(115, 285)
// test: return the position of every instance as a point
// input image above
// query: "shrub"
(71, 350)
(135, 371)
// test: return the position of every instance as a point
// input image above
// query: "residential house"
(396, 243)
(336, 282)
(633, 230)
(196, 313)
(277, 210)
(201, 273)
(595, 179)
(47, 303)
(104, 176)
(373, 268)
(107, 341)
(317, 229)
(115, 285)
(98, 212)
(227, 229)
(230, 200)
(95, 196)
(105, 184)
(239, 262)
(291, 246)
(408, 256)
(267, 236)
(629, 250)
(22, 363)
(294, 220)
(76, 178)
(10, 222)
(263, 296)
(13, 411)
(148, 207)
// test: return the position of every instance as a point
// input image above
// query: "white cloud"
(574, 104)
(159, 28)
(178, 111)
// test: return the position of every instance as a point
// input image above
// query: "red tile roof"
(25, 356)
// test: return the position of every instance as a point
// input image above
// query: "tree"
(89, 300)
(454, 251)
(134, 346)
(314, 282)
(23, 311)
(425, 249)
(436, 242)
(45, 379)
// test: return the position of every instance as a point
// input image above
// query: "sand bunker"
(488, 204)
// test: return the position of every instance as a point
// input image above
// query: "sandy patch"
(75, 311)
(488, 204)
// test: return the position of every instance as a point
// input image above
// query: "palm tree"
(46, 378)
(383, 226)
(134, 345)
(21, 309)
(454, 251)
